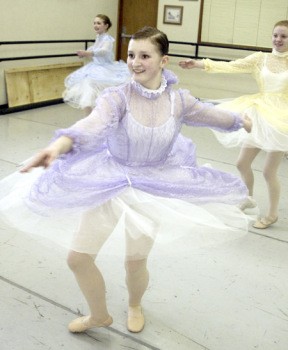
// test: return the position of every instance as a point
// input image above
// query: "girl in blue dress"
(84, 85)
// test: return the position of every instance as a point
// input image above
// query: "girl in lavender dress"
(127, 165)
(84, 85)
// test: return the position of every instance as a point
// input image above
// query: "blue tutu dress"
(84, 85)
(131, 170)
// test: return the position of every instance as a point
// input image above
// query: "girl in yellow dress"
(268, 110)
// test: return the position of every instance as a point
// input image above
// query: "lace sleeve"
(200, 114)
(90, 132)
(105, 48)
(244, 65)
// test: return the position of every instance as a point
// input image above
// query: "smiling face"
(146, 63)
(280, 38)
(99, 26)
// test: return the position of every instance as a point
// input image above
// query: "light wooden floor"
(230, 297)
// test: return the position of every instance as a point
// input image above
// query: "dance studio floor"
(232, 296)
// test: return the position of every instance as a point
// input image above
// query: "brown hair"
(281, 23)
(157, 38)
(105, 19)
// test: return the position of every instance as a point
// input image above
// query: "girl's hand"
(43, 158)
(83, 53)
(47, 156)
(247, 123)
(188, 64)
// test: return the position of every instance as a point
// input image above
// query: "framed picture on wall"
(173, 14)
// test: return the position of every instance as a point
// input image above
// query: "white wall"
(52, 19)
(188, 31)
(242, 22)
(48, 20)
(72, 19)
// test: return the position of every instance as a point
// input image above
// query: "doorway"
(133, 15)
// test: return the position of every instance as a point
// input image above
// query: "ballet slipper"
(81, 324)
(263, 223)
(136, 321)
(249, 203)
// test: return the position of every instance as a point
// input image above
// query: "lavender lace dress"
(131, 170)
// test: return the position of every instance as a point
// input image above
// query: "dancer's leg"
(244, 162)
(137, 279)
(272, 163)
(92, 285)
(87, 274)
(87, 110)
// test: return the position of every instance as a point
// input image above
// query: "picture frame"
(173, 14)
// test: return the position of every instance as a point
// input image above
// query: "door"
(133, 15)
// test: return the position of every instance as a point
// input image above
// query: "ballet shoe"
(82, 324)
(136, 321)
(249, 203)
(263, 223)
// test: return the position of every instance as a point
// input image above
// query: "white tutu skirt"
(133, 216)
(269, 115)
(83, 86)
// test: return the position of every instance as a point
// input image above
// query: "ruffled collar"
(100, 37)
(168, 79)
(280, 54)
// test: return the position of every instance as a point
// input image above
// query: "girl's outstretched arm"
(45, 157)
